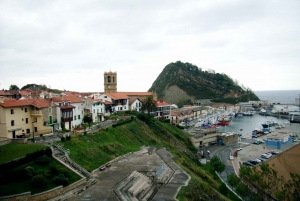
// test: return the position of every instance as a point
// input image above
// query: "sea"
(246, 124)
(279, 96)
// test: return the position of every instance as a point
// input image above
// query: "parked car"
(231, 157)
(257, 160)
(247, 163)
(274, 152)
(267, 156)
(253, 162)
(262, 160)
(239, 149)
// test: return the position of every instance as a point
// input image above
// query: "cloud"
(70, 44)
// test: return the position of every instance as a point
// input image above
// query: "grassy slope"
(113, 142)
(13, 151)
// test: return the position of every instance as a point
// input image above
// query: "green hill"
(142, 130)
(181, 82)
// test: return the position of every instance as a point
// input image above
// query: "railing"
(70, 161)
(36, 112)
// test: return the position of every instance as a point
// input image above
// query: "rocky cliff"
(180, 83)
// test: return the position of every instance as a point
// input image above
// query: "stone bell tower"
(110, 82)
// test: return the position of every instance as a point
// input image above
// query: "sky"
(70, 44)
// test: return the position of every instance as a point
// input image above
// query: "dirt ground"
(286, 162)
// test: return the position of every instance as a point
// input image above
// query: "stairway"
(62, 154)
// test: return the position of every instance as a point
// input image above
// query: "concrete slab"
(114, 182)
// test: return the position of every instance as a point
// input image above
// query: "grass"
(13, 151)
(93, 150)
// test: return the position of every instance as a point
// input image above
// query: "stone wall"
(18, 140)
(67, 191)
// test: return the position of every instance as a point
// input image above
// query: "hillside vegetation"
(182, 82)
(93, 150)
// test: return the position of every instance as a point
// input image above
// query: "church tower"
(110, 82)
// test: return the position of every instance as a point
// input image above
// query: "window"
(12, 123)
(108, 79)
(101, 110)
(94, 111)
(78, 117)
(26, 120)
(74, 117)
(97, 110)
(50, 110)
(12, 111)
(26, 109)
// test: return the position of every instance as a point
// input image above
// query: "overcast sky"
(70, 44)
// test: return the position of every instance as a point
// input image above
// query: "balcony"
(100, 114)
(36, 113)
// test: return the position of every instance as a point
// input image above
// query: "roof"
(5, 93)
(14, 103)
(66, 107)
(69, 97)
(162, 103)
(131, 100)
(39, 102)
(109, 73)
(137, 93)
(107, 102)
(117, 96)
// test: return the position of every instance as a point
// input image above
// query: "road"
(223, 152)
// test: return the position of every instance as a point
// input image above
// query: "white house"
(119, 101)
(135, 104)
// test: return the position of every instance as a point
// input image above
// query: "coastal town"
(38, 116)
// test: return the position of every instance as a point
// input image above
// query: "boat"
(269, 123)
(295, 121)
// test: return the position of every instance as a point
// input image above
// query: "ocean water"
(280, 96)
(246, 124)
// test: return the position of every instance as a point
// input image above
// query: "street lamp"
(33, 131)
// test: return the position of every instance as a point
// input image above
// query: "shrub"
(223, 189)
(60, 180)
(53, 170)
(38, 181)
(43, 160)
(29, 171)
(62, 138)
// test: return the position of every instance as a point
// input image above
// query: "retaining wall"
(47, 195)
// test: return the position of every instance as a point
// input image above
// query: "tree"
(14, 87)
(233, 180)
(87, 119)
(149, 105)
(217, 164)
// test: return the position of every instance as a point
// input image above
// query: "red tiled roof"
(14, 103)
(107, 102)
(137, 93)
(5, 93)
(162, 103)
(72, 99)
(38, 102)
(25, 92)
(66, 107)
(117, 96)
